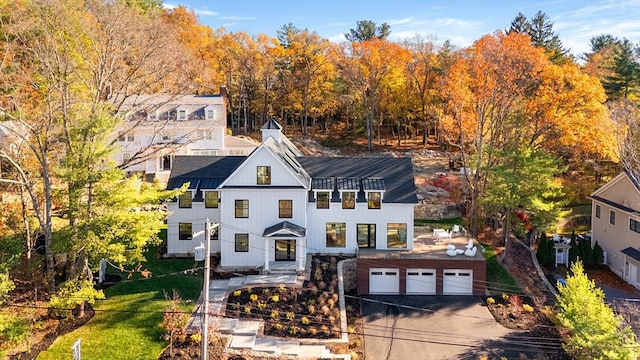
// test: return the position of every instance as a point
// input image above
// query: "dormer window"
(185, 200)
(348, 187)
(348, 200)
(209, 113)
(182, 112)
(373, 200)
(374, 189)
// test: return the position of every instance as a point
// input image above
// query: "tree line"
(514, 105)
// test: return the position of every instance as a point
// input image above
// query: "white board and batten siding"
(263, 207)
(196, 215)
(457, 282)
(388, 213)
(384, 281)
(263, 213)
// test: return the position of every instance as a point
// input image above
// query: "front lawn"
(128, 323)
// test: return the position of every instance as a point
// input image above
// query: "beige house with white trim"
(615, 225)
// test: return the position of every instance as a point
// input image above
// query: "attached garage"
(421, 281)
(384, 281)
(457, 282)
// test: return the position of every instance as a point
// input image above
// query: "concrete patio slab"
(242, 341)
(265, 345)
(226, 325)
(288, 347)
(247, 327)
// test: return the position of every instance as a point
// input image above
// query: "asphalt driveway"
(438, 327)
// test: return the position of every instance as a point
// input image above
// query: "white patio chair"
(455, 230)
(469, 244)
(471, 252)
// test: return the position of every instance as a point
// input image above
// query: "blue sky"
(462, 22)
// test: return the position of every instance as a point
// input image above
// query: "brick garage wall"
(479, 268)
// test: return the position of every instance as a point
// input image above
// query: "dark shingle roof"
(394, 174)
(632, 253)
(209, 171)
(284, 229)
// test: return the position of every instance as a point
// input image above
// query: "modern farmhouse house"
(159, 127)
(615, 225)
(275, 206)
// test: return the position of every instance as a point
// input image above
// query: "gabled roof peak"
(271, 124)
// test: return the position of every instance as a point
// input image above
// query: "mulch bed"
(312, 311)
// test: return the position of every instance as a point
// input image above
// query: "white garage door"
(458, 282)
(384, 281)
(421, 281)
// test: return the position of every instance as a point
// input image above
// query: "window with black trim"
(322, 200)
(349, 200)
(612, 217)
(242, 208)
(185, 200)
(264, 175)
(634, 225)
(185, 231)
(211, 199)
(213, 233)
(374, 200)
(397, 235)
(598, 211)
(285, 208)
(242, 243)
(336, 234)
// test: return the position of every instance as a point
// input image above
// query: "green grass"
(438, 224)
(498, 278)
(128, 323)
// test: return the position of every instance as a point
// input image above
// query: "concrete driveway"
(438, 327)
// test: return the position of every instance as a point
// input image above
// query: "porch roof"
(285, 229)
(632, 253)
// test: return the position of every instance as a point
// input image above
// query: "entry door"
(633, 274)
(285, 250)
(367, 235)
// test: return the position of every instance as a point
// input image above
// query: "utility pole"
(203, 252)
(207, 265)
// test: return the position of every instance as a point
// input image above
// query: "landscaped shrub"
(275, 298)
(253, 297)
(237, 293)
(274, 314)
(598, 254)
(305, 320)
(290, 315)
(515, 301)
(527, 308)
(491, 301)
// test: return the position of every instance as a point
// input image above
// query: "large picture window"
(336, 234)
(349, 200)
(184, 200)
(374, 200)
(322, 200)
(184, 231)
(285, 208)
(242, 208)
(397, 235)
(264, 175)
(211, 199)
(242, 243)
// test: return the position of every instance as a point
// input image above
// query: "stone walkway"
(244, 333)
